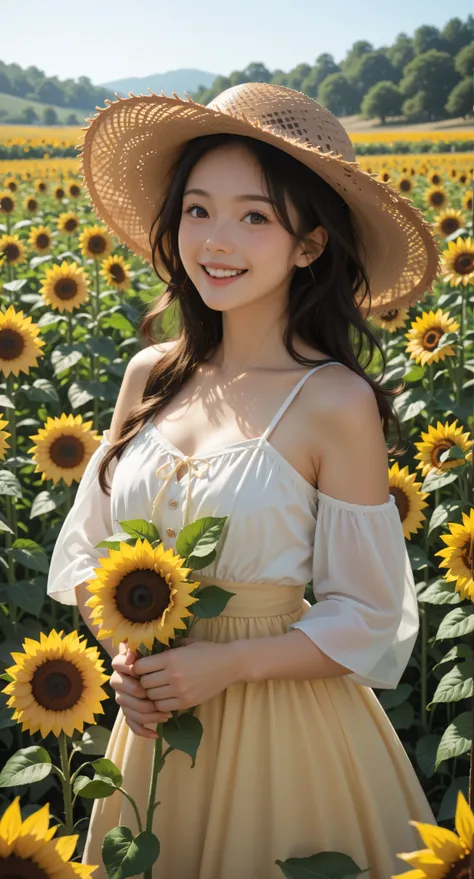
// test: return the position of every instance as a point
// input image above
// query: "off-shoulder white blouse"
(280, 530)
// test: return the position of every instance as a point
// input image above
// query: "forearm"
(291, 656)
(81, 596)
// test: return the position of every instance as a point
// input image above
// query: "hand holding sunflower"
(183, 678)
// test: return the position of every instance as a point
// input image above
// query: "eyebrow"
(237, 197)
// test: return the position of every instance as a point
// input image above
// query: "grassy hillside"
(14, 106)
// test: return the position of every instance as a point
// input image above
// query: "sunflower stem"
(157, 765)
(134, 807)
(460, 365)
(66, 784)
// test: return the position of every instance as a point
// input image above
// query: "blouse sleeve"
(366, 611)
(87, 523)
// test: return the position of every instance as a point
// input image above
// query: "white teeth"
(222, 273)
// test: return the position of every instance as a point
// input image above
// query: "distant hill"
(179, 81)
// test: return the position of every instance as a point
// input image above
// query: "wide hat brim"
(131, 145)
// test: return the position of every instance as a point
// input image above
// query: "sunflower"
(458, 556)
(74, 190)
(424, 336)
(385, 176)
(391, 320)
(140, 593)
(404, 184)
(448, 221)
(11, 184)
(7, 202)
(30, 204)
(40, 238)
(467, 202)
(409, 500)
(12, 249)
(116, 272)
(434, 178)
(95, 242)
(65, 287)
(20, 346)
(41, 186)
(63, 448)
(68, 222)
(3, 439)
(444, 854)
(56, 684)
(30, 850)
(59, 193)
(438, 440)
(458, 262)
(435, 197)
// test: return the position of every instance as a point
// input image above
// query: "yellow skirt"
(284, 769)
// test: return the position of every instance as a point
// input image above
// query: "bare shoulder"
(349, 446)
(134, 383)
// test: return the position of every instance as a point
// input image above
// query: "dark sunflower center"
(401, 501)
(117, 272)
(11, 251)
(57, 685)
(435, 179)
(390, 315)
(468, 555)
(42, 187)
(431, 338)
(12, 185)
(96, 244)
(142, 596)
(437, 198)
(11, 344)
(66, 288)
(464, 263)
(67, 451)
(449, 225)
(70, 225)
(6, 204)
(60, 192)
(42, 240)
(32, 204)
(439, 448)
(74, 190)
(460, 868)
(20, 868)
(385, 177)
(405, 185)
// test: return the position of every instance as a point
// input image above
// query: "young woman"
(270, 238)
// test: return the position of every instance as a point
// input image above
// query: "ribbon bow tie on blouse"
(190, 461)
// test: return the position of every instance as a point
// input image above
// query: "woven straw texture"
(130, 146)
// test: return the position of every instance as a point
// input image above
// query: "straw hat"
(130, 146)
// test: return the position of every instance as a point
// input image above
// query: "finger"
(143, 706)
(159, 693)
(156, 717)
(166, 705)
(130, 656)
(141, 730)
(154, 679)
(119, 664)
(126, 684)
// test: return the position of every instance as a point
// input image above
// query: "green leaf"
(459, 651)
(457, 623)
(415, 372)
(324, 865)
(64, 357)
(447, 809)
(107, 769)
(393, 698)
(124, 855)
(44, 502)
(456, 739)
(9, 485)
(26, 766)
(457, 684)
(410, 403)
(140, 528)
(443, 513)
(184, 733)
(435, 480)
(41, 391)
(453, 453)
(212, 601)
(440, 592)
(94, 740)
(93, 788)
(402, 717)
(119, 322)
(26, 595)
(30, 554)
(197, 541)
(425, 752)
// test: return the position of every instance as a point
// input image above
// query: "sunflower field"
(71, 298)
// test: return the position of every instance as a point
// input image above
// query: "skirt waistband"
(256, 599)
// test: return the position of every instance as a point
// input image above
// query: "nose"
(219, 240)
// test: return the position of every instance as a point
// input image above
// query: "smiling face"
(231, 223)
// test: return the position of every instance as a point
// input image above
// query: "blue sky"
(111, 39)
